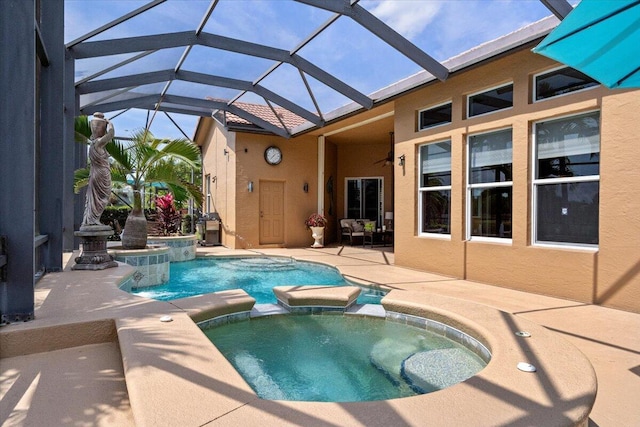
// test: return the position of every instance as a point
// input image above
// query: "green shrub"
(116, 217)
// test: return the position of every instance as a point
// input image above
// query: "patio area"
(67, 367)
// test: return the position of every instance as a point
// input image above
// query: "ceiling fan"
(389, 159)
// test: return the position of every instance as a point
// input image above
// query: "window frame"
(433, 107)
(536, 182)
(421, 190)
(534, 85)
(468, 104)
(470, 187)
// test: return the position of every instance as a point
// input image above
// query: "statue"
(94, 255)
(99, 188)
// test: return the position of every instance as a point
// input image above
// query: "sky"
(441, 28)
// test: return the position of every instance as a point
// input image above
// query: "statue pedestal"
(94, 254)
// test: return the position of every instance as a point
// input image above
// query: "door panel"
(271, 212)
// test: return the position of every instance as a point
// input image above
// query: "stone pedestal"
(94, 254)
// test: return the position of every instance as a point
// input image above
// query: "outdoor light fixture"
(401, 162)
(250, 186)
(305, 187)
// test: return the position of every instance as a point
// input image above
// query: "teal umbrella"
(600, 38)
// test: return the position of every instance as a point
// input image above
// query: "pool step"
(436, 369)
(387, 355)
(261, 264)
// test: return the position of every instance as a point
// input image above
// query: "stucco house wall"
(244, 162)
(608, 274)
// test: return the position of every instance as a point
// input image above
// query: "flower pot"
(135, 231)
(318, 235)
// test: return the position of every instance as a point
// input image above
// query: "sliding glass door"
(364, 198)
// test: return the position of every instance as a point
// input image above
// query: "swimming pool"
(335, 358)
(255, 275)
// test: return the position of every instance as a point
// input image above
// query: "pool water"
(255, 275)
(334, 358)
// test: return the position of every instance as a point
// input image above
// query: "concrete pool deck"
(46, 380)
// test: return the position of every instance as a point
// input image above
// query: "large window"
(490, 100)
(566, 185)
(489, 185)
(364, 198)
(435, 188)
(434, 116)
(560, 82)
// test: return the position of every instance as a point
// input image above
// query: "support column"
(72, 204)
(18, 150)
(53, 169)
(321, 165)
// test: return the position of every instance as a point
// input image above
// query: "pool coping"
(175, 376)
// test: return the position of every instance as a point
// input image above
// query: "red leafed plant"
(168, 218)
(316, 220)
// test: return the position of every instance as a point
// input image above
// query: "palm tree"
(141, 162)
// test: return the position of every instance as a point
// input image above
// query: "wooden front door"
(271, 212)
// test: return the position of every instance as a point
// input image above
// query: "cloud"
(409, 18)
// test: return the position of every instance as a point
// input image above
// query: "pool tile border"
(429, 325)
(224, 319)
(444, 330)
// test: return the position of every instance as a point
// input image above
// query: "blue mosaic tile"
(153, 259)
(439, 328)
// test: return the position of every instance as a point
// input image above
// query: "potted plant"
(316, 223)
(141, 162)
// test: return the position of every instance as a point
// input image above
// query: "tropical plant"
(141, 162)
(168, 218)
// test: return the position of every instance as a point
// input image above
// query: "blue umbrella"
(600, 38)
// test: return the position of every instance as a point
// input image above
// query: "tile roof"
(264, 112)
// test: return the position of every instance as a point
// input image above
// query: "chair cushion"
(346, 222)
(357, 226)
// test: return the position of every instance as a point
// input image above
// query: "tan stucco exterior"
(607, 274)
(244, 162)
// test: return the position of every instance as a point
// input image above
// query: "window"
(566, 184)
(490, 100)
(364, 198)
(489, 185)
(435, 116)
(560, 82)
(435, 188)
(207, 186)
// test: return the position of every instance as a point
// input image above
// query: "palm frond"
(80, 179)
(82, 129)
(180, 194)
(165, 172)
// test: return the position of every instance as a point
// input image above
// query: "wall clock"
(273, 155)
